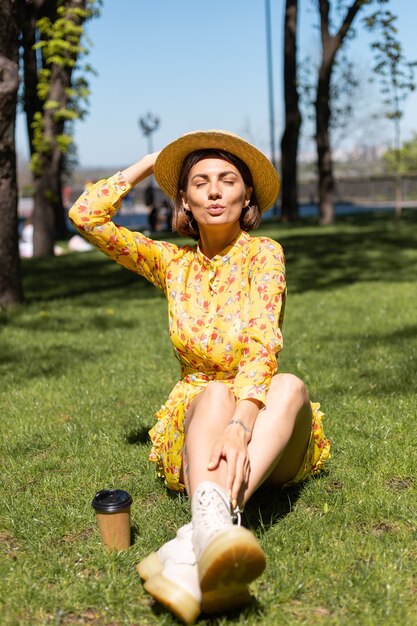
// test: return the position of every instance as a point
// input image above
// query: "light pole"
(148, 124)
(270, 80)
(270, 88)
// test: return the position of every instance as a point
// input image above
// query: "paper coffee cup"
(112, 507)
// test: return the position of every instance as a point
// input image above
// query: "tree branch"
(351, 13)
(324, 9)
(332, 43)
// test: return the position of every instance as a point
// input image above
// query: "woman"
(232, 422)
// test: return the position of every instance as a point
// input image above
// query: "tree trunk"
(48, 210)
(47, 205)
(289, 141)
(49, 214)
(10, 281)
(28, 14)
(324, 153)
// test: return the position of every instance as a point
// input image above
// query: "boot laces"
(216, 513)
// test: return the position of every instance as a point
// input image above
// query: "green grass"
(86, 363)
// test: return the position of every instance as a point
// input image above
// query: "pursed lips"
(215, 209)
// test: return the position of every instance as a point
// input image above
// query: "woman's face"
(216, 193)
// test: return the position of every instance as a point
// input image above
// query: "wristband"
(245, 428)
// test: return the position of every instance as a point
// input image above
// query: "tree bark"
(10, 280)
(330, 46)
(324, 153)
(28, 14)
(48, 205)
(289, 141)
(48, 213)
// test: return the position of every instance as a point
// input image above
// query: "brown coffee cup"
(112, 507)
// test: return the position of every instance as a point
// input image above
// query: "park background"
(86, 360)
(140, 62)
(206, 67)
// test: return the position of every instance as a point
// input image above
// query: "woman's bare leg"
(280, 435)
(279, 438)
(229, 557)
(206, 420)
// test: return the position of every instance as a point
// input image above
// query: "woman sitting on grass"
(232, 422)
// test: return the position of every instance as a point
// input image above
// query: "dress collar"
(227, 253)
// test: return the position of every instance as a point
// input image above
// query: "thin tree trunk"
(10, 281)
(324, 153)
(398, 177)
(290, 138)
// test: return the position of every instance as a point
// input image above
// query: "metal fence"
(363, 189)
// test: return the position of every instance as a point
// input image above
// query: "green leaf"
(51, 104)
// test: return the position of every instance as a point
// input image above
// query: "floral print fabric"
(225, 313)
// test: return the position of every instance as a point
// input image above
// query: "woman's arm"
(92, 215)
(140, 170)
(262, 336)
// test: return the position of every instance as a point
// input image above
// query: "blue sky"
(203, 65)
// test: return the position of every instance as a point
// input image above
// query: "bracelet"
(245, 428)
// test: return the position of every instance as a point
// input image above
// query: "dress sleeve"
(262, 336)
(92, 216)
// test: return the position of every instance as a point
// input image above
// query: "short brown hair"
(183, 222)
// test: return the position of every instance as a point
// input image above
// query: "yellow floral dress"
(225, 317)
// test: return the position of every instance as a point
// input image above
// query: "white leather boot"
(229, 556)
(153, 563)
(171, 576)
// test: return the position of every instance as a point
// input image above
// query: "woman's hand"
(141, 169)
(232, 446)
(152, 156)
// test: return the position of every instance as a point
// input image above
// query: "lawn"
(85, 364)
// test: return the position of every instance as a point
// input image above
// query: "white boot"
(229, 557)
(171, 576)
(154, 562)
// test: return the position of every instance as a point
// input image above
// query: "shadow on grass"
(377, 376)
(51, 361)
(217, 619)
(73, 275)
(325, 259)
(268, 505)
(46, 322)
(138, 436)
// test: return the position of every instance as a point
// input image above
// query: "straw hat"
(168, 164)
